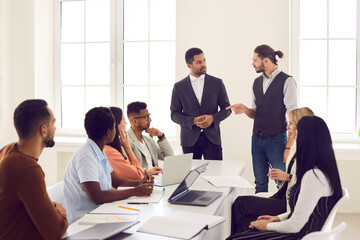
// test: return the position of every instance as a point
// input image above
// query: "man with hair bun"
(274, 94)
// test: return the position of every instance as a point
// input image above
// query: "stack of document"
(180, 224)
(110, 213)
(106, 218)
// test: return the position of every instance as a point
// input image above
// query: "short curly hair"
(98, 121)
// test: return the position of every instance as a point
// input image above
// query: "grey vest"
(270, 112)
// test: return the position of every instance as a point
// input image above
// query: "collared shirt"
(198, 85)
(88, 164)
(290, 92)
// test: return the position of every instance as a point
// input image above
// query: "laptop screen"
(189, 179)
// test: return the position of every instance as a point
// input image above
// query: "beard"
(201, 71)
(49, 143)
(260, 69)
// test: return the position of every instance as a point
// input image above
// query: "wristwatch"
(161, 137)
(290, 177)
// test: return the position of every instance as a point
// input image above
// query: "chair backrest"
(327, 235)
(55, 192)
(330, 219)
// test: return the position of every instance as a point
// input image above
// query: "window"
(325, 63)
(113, 52)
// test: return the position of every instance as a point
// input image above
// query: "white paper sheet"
(228, 181)
(113, 208)
(155, 197)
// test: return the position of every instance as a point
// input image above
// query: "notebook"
(174, 170)
(182, 194)
(102, 231)
(173, 224)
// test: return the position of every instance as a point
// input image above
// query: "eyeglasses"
(147, 117)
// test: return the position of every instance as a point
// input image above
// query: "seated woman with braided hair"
(315, 193)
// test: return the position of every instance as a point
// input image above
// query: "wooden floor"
(352, 220)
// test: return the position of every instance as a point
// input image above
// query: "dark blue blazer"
(185, 106)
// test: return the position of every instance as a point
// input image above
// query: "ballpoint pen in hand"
(147, 176)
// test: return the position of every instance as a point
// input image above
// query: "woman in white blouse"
(317, 190)
(248, 208)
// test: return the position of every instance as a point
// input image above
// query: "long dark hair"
(314, 149)
(118, 113)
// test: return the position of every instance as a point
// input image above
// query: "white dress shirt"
(198, 85)
(313, 187)
(290, 91)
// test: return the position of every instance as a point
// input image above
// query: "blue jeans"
(267, 149)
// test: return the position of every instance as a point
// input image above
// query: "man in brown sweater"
(26, 211)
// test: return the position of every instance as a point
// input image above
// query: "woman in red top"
(131, 168)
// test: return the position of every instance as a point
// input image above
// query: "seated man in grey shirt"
(144, 147)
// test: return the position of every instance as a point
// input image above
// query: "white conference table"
(220, 207)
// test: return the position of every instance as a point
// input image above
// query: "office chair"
(327, 235)
(55, 192)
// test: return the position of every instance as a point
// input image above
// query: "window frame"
(117, 85)
(294, 41)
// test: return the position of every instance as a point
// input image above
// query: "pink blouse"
(128, 169)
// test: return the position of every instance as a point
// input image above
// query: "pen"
(269, 165)
(134, 209)
(139, 203)
(147, 176)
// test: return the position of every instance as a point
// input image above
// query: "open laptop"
(101, 231)
(182, 194)
(174, 170)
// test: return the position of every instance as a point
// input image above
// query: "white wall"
(4, 22)
(18, 72)
(227, 31)
(228, 34)
(26, 57)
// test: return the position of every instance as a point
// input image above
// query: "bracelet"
(161, 137)
(287, 148)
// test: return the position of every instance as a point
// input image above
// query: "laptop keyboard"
(190, 196)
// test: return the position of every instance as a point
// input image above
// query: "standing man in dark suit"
(195, 107)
